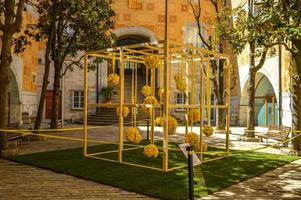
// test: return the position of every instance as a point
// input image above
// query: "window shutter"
(133, 4)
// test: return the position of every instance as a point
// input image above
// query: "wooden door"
(49, 105)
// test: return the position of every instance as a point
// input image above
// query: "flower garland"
(113, 79)
(191, 138)
(172, 125)
(194, 115)
(149, 100)
(125, 111)
(133, 135)
(146, 90)
(151, 150)
(208, 130)
(181, 84)
(152, 61)
(159, 121)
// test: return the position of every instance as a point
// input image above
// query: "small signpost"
(193, 160)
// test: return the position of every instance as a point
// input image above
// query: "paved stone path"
(281, 183)
(18, 181)
(23, 182)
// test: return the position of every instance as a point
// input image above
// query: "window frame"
(80, 96)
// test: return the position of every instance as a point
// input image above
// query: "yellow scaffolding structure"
(196, 59)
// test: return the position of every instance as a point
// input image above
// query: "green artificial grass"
(210, 177)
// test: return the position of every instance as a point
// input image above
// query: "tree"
(71, 27)
(11, 20)
(257, 32)
(214, 42)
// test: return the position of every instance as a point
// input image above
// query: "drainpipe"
(97, 85)
(280, 84)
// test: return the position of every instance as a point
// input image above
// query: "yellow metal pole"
(186, 96)
(113, 64)
(208, 95)
(136, 93)
(152, 109)
(133, 93)
(201, 106)
(121, 102)
(228, 109)
(192, 101)
(85, 106)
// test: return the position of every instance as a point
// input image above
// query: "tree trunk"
(296, 93)
(6, 59)
(55, 97)
(45, 79)
(221, 119)
(251, 93)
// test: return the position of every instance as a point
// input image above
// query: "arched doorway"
(266, 105)
(14, 100)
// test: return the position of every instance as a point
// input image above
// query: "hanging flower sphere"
(161, 94)
(181, 84)
(146, 91)
(197, 147)
(192, 138)
(151, 151)
(159, 121)
(113, 79)
(133, 135)
(149, 100)
(208, 130)
(172, 125)
(125, 111)
(194, 115)
(152, 61)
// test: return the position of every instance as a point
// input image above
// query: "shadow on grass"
(210, 177)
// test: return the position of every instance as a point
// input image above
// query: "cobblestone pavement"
(281, 183)
(23, 182)
(18, 181)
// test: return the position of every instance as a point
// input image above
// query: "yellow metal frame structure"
(197, 64)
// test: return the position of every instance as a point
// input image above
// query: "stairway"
(108, 116)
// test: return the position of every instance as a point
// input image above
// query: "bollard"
(190, 173)
(147, 130)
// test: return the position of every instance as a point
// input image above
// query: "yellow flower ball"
(113, 79)
(146, 90)
(152, 61)
(159, 121)
(133, 135)
(161, 94)
(125, 111)
(181, 84)
(191, 138)
(151, 100)
(151, 151)
(207, 130)
(197, 147)
(194, 115)
(172, 125)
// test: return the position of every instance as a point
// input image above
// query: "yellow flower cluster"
(133, 135)
(172, 125)
(151, 150)
(113, 79)
(194, 115)
(152, 61)
(125, 111)
(161, 94)
(191, 138)
(146, 90)
(181, 84)
(198, 147)
(159, 121)
(149, 100)
(208, 130)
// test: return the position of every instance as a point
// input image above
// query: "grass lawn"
(209, 178)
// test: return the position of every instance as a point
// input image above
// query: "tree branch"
(18, 21)
(71, 64)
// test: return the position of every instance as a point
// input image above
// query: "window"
(181, 99)
(192, 36)
(78, 100)
(40, 61)
(34, 78)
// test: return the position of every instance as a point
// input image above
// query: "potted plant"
(108, 93)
